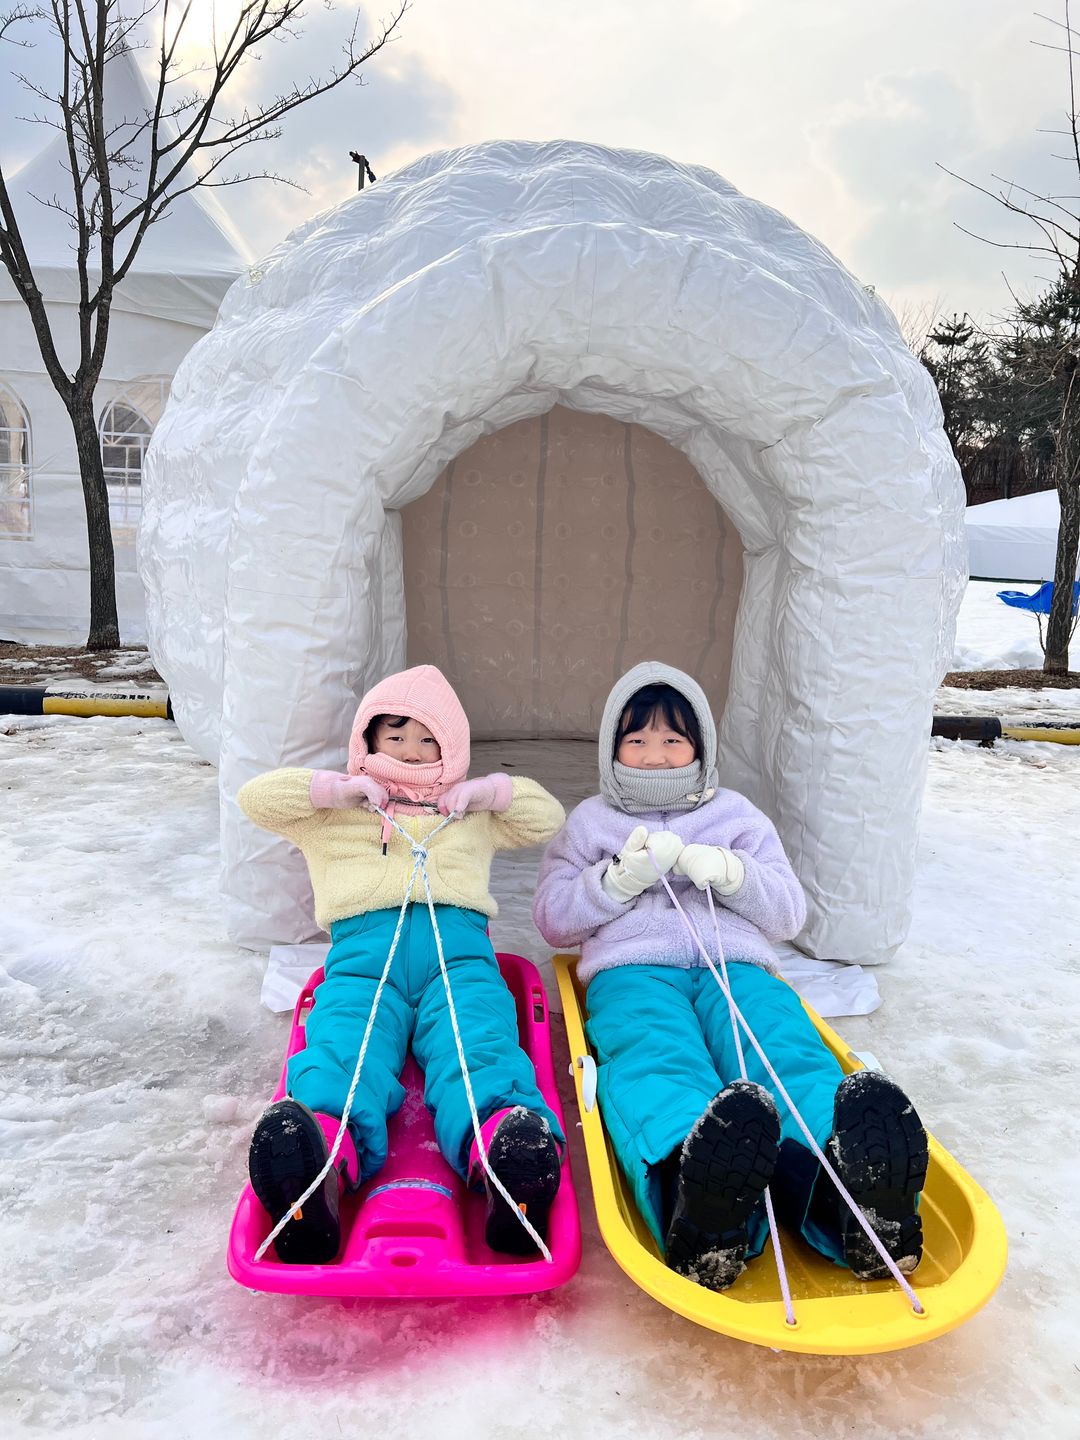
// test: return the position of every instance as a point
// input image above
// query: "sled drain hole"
(403, 1258)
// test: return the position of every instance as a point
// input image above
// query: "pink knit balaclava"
(422, 693)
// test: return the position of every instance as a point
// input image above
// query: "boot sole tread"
(531, 1173)
(288, 1149)
(879, 1149)
(727, 1163)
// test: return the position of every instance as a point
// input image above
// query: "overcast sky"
(833, 111)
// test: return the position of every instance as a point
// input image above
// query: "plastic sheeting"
(480, 287)
(1014, 539)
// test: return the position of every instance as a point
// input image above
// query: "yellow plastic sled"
(964, 1249)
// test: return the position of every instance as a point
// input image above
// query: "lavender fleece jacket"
(571, 908)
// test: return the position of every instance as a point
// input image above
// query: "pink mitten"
(486, 792)
(331, 791)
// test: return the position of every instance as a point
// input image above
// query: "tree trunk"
(1059, 623)
(104, 626)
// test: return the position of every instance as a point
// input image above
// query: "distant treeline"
(1001, 395)
(1002, 468)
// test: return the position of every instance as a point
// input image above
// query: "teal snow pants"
(664, 1048)
(413, 1009)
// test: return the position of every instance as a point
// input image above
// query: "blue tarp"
(1039, 603)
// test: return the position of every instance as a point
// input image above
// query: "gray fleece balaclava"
(642, 792)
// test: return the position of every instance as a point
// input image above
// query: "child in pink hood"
(408, 755)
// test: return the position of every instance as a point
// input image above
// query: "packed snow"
(136, 1058)
(991, 635)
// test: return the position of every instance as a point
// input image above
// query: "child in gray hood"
(697, 1143)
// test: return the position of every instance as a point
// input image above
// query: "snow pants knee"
(664, 1048)
(413, 1010)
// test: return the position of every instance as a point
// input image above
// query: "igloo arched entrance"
(482, 287)
(554, 554)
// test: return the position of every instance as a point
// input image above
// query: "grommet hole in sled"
(964, 1247)
(414, 1230)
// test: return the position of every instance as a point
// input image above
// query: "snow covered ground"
(991, 635)
(129, 671)
(134, 1059)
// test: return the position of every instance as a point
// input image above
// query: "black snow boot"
(724, 1167)
(288, 1149)
(524, 1154)
(879, 1149)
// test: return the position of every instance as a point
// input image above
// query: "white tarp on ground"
(484, 285)
(832, 989)
(1014, 539)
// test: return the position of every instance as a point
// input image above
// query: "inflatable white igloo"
(459, 299)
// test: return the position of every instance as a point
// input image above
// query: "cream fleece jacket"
(350, 875)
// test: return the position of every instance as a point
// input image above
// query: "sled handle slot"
(587, 1065)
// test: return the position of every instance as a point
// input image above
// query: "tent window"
(125, 434)
(16, 510)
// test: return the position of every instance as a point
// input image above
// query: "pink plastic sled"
(414, 1230)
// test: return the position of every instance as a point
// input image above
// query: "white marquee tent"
(168, 300)
(452, 324)
(1014, 539)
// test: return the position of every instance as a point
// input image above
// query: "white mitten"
(633, 871)
(711, 865)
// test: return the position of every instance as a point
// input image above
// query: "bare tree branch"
(1042, 199)
(1003, 199)
(1005, 244)
(16, 17)
(126, 170)
(1041, 356)
(1058, 24)
(256, 20)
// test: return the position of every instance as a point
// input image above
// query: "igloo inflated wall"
(484, 285)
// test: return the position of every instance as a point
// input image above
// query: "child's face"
(411, 743)
(657, 747)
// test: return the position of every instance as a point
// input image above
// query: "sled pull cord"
(419, 853)
(481, 1148)
(774, 1229)
(815, 1148)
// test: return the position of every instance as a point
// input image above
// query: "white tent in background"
(1013, 539)
(481, 414)
(168, 300)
